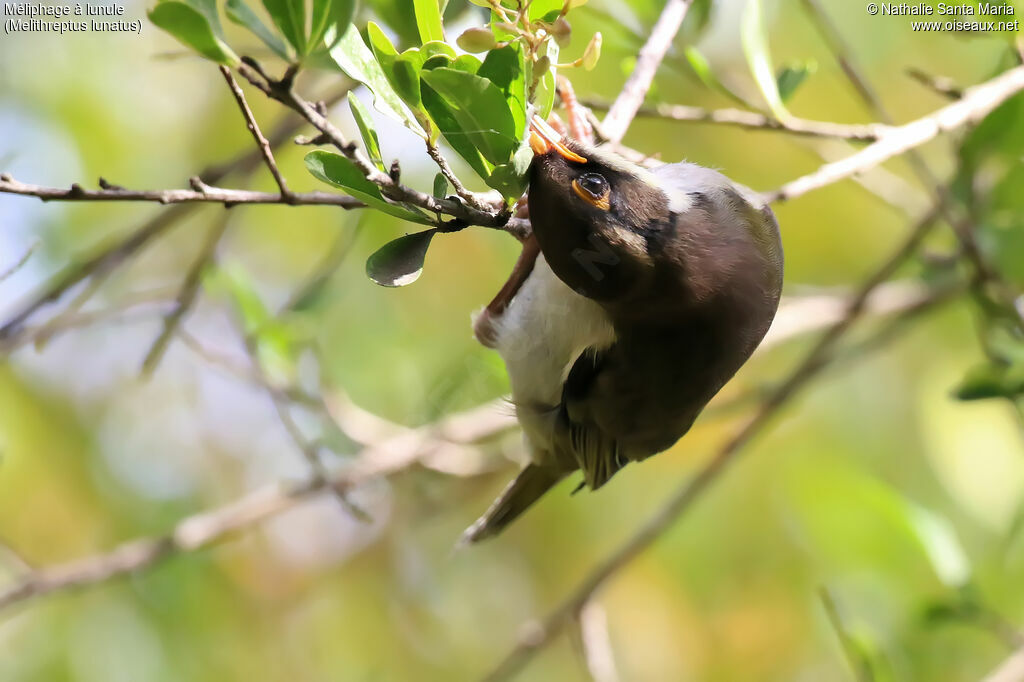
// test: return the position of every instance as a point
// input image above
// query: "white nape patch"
(679, 202)
(545, 328)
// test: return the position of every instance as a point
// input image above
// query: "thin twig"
(596, 643)
(963, 229)
(283, 92)
(859, 132)
(976, 104)
(18, 264)
(942, 85)
(186, 295)
(388, 448)
(543, 632)
(244, 372)
(201, 192)
(842, 52)
(1010, 670)
(261, 142)
(622, 111)
(861, 667)
(206, 528)
(315, 283)
(113, 256)
(471, 198)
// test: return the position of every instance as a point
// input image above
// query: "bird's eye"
(593, 189)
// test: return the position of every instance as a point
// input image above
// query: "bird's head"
(614, 231)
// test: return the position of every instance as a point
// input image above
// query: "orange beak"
(543, 139)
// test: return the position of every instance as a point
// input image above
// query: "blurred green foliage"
(878, 484)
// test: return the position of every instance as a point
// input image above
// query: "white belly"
(539, 336)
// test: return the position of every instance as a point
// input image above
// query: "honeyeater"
(637, 297)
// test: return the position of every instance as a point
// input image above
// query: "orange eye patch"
(596, 200)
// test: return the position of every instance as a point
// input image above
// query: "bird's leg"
(542, 142)
(483, 325)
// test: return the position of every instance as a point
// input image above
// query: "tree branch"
(186, 295)
(18, 264)
(283, 92)
(261, 142)
(976, 104)
(110, 258)
(863, 132)
(200, 192)
(622, 111)
(1010, 670)
(203, 529)
(388, 449)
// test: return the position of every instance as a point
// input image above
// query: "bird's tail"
(523, 491)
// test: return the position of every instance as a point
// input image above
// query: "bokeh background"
(876, 484)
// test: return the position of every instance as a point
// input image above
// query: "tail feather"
(523, 491)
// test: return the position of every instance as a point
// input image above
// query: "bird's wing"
(596, 452)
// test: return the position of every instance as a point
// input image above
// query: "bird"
(639, 294)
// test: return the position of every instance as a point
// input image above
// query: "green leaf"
(337, 170)
(593, 52)
(543, 95)
(545, 10)
(445, 119)
(290, 18)
(192, 28)
(352, 55)
(467, 63)
(208, 8)
(328, 14)
(366, 130)
(506, 68)
(480, 109)
(510, 178)
(400, 262)
(428, 20)
(435, 48)
(440, 190)
(992, 380)
(755, 47)
(240, 13)
(792, 76)
(401, 70)
(696, 22)
(886, 524)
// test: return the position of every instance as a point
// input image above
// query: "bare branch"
(108, 259)
(842, 53)
(975, 105)
(864, 132)
(861, 667)
(622, 111)
(186, 296)
(1010, 670)
(201, 530)
(596, 643)
(943, 85)
(470, 198)
(18, 264)
(261, 142)
(389, 447)
(200, 192)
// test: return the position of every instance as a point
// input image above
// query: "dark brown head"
(681, 235)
